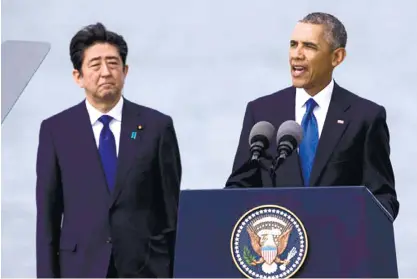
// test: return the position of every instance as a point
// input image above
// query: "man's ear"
(126, 70)
(339, 55)
(78, 78)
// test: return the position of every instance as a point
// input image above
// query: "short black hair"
(335, 30)
(90, 35)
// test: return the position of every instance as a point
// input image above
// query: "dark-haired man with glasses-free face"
(108, 175)
(345, 137)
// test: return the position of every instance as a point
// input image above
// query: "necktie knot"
(105, 119)
(310, 104)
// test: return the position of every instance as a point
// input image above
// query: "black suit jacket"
(135, 223)
(356, 152)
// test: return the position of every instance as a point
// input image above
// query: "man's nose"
(297, 53)
(105, 70)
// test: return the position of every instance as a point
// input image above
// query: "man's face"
(311, 57)
(102, 73)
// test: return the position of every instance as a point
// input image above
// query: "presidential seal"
(269, 241)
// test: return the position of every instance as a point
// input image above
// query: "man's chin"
(298, 83)
(108, 96)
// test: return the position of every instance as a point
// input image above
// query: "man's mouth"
(298, 70)
(106, 85)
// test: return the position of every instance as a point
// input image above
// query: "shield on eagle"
(269, 253)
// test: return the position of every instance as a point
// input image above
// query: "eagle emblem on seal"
(269, 242)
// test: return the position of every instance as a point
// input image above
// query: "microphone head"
(262, 131)
(290, 128)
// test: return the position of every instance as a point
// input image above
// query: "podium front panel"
(336, 220)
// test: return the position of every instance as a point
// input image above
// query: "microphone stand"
(261, 161)
(276, 163)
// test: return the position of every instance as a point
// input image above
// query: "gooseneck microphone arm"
(276, 163)
(286, 143)
(288, 137)
(273, 176)
(286, 146)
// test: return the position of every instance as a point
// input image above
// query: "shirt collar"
(95, 114)
(322, 98)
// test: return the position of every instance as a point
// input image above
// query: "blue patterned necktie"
(107, 150)
(310, 140)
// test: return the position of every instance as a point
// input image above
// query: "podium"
(299, 232)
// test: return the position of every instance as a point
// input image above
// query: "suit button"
(108, 240)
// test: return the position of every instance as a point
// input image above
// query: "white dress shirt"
(320, 111)
(115, 124)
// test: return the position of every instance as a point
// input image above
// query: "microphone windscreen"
(262, 131)
(290, 128)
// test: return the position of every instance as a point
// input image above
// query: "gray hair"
(335, 31)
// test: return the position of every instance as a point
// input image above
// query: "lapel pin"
(140, 127)
(133, 136)
(340, 121)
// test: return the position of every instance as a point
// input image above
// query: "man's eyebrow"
(109, 57)
(305, 43)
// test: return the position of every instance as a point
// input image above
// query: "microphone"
(289, 136)
(259, 138)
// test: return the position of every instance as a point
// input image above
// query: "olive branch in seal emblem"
(269, 241)
(247, 256)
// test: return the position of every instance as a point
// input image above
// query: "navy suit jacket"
(356, 152)
(80, 224)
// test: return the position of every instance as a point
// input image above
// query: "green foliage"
(247, 256)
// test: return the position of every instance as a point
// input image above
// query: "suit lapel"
(334, 126)
(128, 147)
(86, 145)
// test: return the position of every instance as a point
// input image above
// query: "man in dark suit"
(108, 175)
(346, 138)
